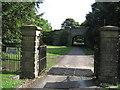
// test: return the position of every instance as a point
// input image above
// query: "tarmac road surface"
(75, 70)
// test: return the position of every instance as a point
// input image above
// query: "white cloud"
(56, 11)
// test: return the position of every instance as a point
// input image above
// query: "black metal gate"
(119, 57)
(42, 56)
(11, 55)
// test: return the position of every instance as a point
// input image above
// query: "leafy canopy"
(16, 14)
(69, 22)
(103, 14)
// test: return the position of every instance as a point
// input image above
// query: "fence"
(11, 54)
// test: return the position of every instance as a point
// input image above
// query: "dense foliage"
(43, 24)
(48, 37)
(103, 14)
(63, 38)
(69, 22)
(16, 14)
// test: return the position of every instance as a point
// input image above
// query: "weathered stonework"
(72, 32)
(108, 71)
(30, 51)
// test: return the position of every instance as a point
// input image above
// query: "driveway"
(75, 70)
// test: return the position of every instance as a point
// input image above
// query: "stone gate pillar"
(108, 64)
(0, 58)
(30, 51)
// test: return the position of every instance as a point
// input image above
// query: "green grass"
(7, 82)
(117, 87)
(55, 51)
(88, 51)
(10, 64)
(52, 53)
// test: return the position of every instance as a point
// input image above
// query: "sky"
(56, 11)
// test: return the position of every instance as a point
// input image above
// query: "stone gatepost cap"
(31, 27)
(110, 28)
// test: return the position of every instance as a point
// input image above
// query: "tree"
(103, 13)
(14, 15)
(41, 22)
(69, 22)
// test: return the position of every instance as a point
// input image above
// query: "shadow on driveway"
(70, 72)
(68, 83)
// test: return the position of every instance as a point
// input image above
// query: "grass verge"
(113, 87)
(54, 51)
(8, 82)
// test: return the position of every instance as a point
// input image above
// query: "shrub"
(48, 37)
(63, 38)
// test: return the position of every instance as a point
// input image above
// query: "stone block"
(111, 80)
(28, 48)
(108, 34)
(27, 74)
(28, 44)
(28, 54)
(109, 30)
(28, 38)
(30, 30)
